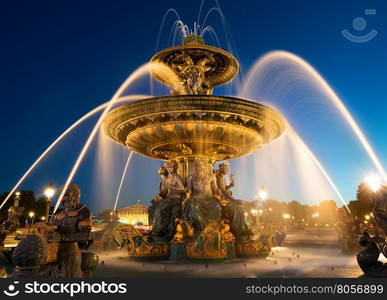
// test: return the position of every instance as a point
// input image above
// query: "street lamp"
(286, 216)
(263, 194)
(49, 193)
(373, 182)
(32, 216)
(17, 199)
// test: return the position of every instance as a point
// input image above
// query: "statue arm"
(180, 186)
(223, 190)
(84, 228)
(232, 183)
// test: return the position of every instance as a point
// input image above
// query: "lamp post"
(286, 216)
(32, 216)
(263, 196)
(16, 199)
(48, 192)
(254, 212)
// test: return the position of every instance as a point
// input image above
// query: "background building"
(133, 214)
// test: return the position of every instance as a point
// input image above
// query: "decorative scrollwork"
(208, 245)
(183, 232)
(259, 247)
(137, 246)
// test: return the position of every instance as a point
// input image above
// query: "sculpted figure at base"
(72, 225)
(232, 209)
(368, 258)
(168, 207)
(202, 207)
(161, 195)
(10, 225)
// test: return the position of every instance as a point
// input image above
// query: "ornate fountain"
(193, 129)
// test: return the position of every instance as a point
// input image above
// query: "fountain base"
(209, 246)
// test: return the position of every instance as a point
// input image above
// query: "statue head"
(171, 166)
(162, 172)
(201, 168)
(224, 168)
(71, 197)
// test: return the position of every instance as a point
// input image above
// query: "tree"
(28, 203)
(363, 203)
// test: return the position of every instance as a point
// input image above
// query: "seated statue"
(202, 207)
(10, 225)
(168, 205)
(232, 209)
(161, 195)
(69, 226)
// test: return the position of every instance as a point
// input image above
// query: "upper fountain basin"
(170, 127)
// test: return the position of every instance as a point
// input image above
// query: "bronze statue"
(368, 258)
(202, 207)
(169, 207)
(232, 209)
(161, 195)
(72, 225)
(10, 225)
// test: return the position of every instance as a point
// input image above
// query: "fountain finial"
(193, 39)
(199, 67)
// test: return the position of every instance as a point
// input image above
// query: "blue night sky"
(60, 59)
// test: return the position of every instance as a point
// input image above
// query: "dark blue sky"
(60, 59)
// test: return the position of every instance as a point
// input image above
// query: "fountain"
(195, 213)
(193, 129)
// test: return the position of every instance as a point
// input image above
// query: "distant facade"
(133, 214)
